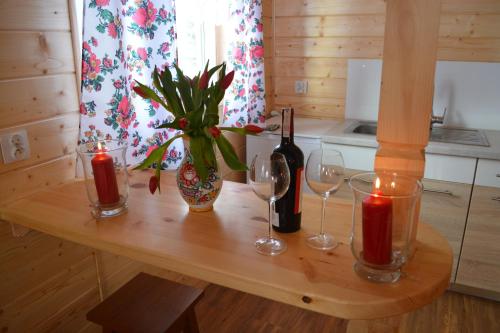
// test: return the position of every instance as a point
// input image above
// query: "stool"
(148, 304)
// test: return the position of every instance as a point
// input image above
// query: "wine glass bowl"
(324, 175)
(269, 178)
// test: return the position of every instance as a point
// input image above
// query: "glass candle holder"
(106, 178)
(382, 222)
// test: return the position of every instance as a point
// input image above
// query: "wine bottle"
(289, 207)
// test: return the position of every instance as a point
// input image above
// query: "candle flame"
(377, 183)
(393, 184)
(99, 147)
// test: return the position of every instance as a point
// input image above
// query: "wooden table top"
(218, 246)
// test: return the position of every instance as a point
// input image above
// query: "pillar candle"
(377, 229)
(105, 178)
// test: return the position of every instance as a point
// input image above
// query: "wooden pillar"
(409, 61)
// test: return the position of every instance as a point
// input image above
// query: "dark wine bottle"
(289, 207)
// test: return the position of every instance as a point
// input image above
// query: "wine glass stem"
(271, 216)
(323, 206)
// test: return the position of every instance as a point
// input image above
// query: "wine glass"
(324, 175)
(270, 178)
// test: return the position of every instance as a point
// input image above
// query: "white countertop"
(333, 131)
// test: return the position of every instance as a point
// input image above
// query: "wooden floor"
(224, 310)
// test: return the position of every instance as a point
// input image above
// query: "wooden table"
(218, 246)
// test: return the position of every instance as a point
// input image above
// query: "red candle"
(377, 228)
(105, 178)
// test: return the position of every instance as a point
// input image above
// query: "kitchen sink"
(438, 134)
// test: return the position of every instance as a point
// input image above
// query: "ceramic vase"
(199, 195)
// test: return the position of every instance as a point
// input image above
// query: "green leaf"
(174, 124)
(170, 93)
(151, 94)
(184, 87)
(239, 130)
(229, 154)
(152, 158)
(208, 152)
(196, 149)
(157, 154)
(213, 70)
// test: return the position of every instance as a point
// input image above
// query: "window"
(200, 33)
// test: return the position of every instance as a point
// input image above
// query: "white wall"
(469, 90)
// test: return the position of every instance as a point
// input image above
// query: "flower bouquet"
(194, 103)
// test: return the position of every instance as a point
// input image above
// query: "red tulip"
(253, 129)
(226, 81)
(183, 122)
(214, 131)
(139, 92)
(153, 184)
(203, 83)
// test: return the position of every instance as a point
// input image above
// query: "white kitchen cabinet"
(480, 260)
(267, 142)
(437, 167)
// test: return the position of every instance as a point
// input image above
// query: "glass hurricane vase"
(106, 176)
(382, 222)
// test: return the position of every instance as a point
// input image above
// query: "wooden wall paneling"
(335, 47)
(470, 25)
(315, 107)
(31, 99)
(47, 285)
(469, 49)
(328, 7)
(74, 317)
(470, 7)
(46, 303)
(451, 25)
(268, 32)
(34, 15)
(21, 182)
(330, 26)
(48, 139)
(28, 260)
(35, 53)
(311, 67)
(267, 8)
(117, 270)
(331, 87)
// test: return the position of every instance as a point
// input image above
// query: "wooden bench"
(148, 304)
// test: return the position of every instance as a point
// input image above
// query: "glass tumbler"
(382, 222)
(106, 178)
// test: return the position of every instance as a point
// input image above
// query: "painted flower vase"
(199, 195)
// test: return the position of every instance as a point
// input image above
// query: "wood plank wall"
(314, 38)
(46, 284)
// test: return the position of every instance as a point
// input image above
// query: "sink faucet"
(437, 119)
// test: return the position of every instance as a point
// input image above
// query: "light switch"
(301, 87)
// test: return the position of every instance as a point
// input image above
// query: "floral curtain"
(123, 41)
(244, 103)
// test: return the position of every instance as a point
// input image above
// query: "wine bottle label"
(286, 123)
(298, 191)
(275, 218)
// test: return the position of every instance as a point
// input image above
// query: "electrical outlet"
(300, 87)
(15, 146)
